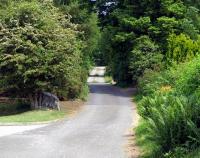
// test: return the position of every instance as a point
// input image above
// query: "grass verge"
(148, 148)
(12, 111)
(33, 116)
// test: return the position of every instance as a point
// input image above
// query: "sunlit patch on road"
(97, 75)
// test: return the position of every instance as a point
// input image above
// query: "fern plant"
(171, 122)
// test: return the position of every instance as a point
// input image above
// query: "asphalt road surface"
(98, 131)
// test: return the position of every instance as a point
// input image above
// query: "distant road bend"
(98, 131)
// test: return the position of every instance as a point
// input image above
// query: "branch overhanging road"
(98, 131)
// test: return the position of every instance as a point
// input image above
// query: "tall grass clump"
(172, 122)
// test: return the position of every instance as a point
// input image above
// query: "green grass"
(84, 92)
(194, 154)
(20, 112)
(148, 148)
(33, 116)
(108, 79)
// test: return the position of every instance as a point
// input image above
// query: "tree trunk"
(44, 100)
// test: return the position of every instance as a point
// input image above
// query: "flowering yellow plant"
(166, 88)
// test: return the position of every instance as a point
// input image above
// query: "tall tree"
(129, 20)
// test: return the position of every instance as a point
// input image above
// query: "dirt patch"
(71, 107)
(131, 148)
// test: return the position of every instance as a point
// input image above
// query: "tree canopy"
(128, 21)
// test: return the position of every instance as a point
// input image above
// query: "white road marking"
(9, 130)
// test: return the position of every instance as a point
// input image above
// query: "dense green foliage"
(46, 46)
(182, 79)
(171, 108)
(145, 54)
(126, 22)
(86, 22)
(181, 48)
(38, 49)
(172, 122)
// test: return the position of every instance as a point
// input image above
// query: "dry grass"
(71, 107)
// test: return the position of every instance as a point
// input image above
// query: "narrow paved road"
(98, 131)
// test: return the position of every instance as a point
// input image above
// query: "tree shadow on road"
(113, 90)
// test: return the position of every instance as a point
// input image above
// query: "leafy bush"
(40, 50)
(183, 79)
(145, 55)
(181, 48)
(155, 81)
(188, 77)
